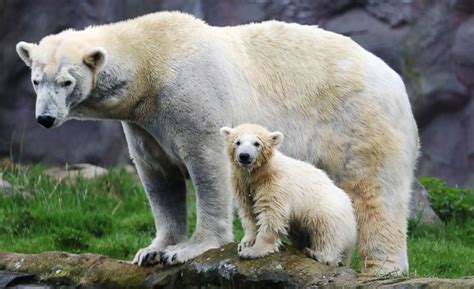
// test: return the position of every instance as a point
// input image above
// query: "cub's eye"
(237, 143)
(36, 82)
(256, 144)
(66, 83)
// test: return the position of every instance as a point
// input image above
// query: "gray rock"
(395, 12)
(376, 36)
(72, 172)
(5, 187)
(463, 53)
(420, 206)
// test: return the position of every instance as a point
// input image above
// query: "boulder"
(218, 268)
(420, 206)
(72, 172)
(8, 190)
(5, 187)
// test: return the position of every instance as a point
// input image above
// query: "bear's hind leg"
(382, 226)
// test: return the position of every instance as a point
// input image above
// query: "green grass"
(110, 215)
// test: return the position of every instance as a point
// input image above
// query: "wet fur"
(278, 195)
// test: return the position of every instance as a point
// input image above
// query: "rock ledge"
(220, 268)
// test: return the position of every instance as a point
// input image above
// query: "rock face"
(218, 268)
(428, 43)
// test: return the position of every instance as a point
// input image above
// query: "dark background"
(429, 42)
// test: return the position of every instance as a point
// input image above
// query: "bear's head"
(250, 146)
(63, 73)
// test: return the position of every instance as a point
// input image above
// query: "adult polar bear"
(173, 81)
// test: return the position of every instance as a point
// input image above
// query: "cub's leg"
(210, 172)
(166, 191)
(271, 221)
(249, 222)
(326, 246)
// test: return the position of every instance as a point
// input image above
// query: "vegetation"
(110, 215)
(450, 203)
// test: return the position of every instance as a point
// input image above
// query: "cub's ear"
(96, 58)
(225, 131)
(276, 137)
(24, 51)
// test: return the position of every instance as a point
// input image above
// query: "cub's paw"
(256, 252)
(184, 251)
(147, 256)
(322, 258)
(245, 243)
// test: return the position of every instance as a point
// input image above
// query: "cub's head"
(249, 145)
(63, 71)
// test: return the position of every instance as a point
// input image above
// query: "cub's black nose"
(244, 157)
(46, 120)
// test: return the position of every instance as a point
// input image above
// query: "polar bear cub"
(277, 195)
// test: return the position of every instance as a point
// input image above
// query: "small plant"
(450, 203)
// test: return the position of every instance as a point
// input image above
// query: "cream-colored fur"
(173, 81)
(277, 194)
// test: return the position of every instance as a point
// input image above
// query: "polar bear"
(277, 195)
(174, 81)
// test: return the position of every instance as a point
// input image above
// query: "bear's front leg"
(166, 192)
(210, 174)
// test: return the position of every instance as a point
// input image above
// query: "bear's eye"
(36, 82)
(237, 143)
(256, 144)
(66, 83)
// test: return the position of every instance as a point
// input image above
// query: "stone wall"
(429, 43)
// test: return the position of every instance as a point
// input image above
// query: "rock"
(12, 278)
(219, 268)
(448, 147)
(395, 12)
(420, 206)
(222, 13)
(5, 187)
(431, 83)
(462, 53)
(72, 172)
(376, 36)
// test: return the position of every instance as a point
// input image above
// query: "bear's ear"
(276, 137)
(225, 131)
(24, 51)
(96, 58)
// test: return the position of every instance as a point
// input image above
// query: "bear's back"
(298, 66)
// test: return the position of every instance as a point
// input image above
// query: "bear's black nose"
(244, 157)
(46, 120)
